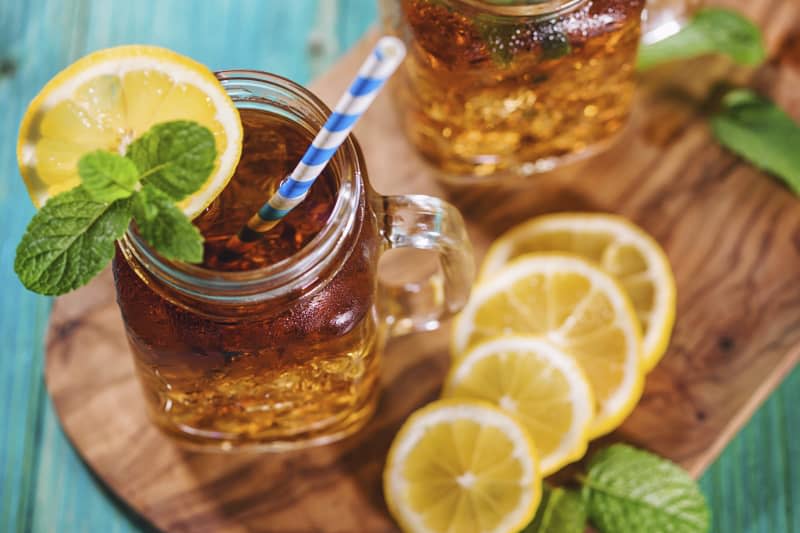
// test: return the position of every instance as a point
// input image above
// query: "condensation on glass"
(281, 348)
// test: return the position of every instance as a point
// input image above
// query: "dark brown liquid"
(273, 373)
(271, 148)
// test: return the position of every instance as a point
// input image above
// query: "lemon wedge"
(109, 98)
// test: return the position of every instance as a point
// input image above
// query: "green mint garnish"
(497, 37)
(500, 37)
(145, 205)
(555, 45)
(69, 241)
(107, 176)
(561, 511)
(175, 157)
(71, 238)
(711, 30)
(628, 491)
(165, 227)
(761, 132)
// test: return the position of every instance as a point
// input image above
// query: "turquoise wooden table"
(754, 487)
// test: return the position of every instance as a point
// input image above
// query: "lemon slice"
(625, 251)
(109, 98)
(577, 307)
(537, 383)
(462, 466)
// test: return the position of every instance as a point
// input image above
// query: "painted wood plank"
(754, 487)
(30, 53)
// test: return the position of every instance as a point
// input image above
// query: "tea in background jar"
(507, 89)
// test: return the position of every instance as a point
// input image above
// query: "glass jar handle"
(664, 18)
(426, 223)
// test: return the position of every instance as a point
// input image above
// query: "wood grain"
(732, 234)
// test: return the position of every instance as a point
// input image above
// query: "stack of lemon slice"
(618, 247)
(570, 312)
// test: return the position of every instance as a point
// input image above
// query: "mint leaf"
(555, 44)
(630, 491)
(561, 511)
(175, 157)
(107, 176)
(144, 208)
(497, 36)
(500, 38)
(165, 227)
(711, 30)
(69, 241)
(761, 132)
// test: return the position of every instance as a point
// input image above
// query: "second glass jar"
(509, 89)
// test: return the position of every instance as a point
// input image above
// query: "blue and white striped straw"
(381, 63)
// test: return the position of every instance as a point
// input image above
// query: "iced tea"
(278, 371)
(280, 347)
(513, 89)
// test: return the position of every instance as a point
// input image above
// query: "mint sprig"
(711, 31)
(561, 511)
(165, 227)
(499, 37)
(625, 490)
(629, 491)
(175, 157)
(71, 238)
(69, 241)
(107, 176)
(761, 132)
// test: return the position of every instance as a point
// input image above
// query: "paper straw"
(381, 63)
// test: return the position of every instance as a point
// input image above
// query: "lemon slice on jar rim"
(106, 100)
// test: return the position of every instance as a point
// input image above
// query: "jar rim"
(531, 8)
(307, 263)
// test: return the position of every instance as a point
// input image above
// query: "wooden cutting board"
(731, 232)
